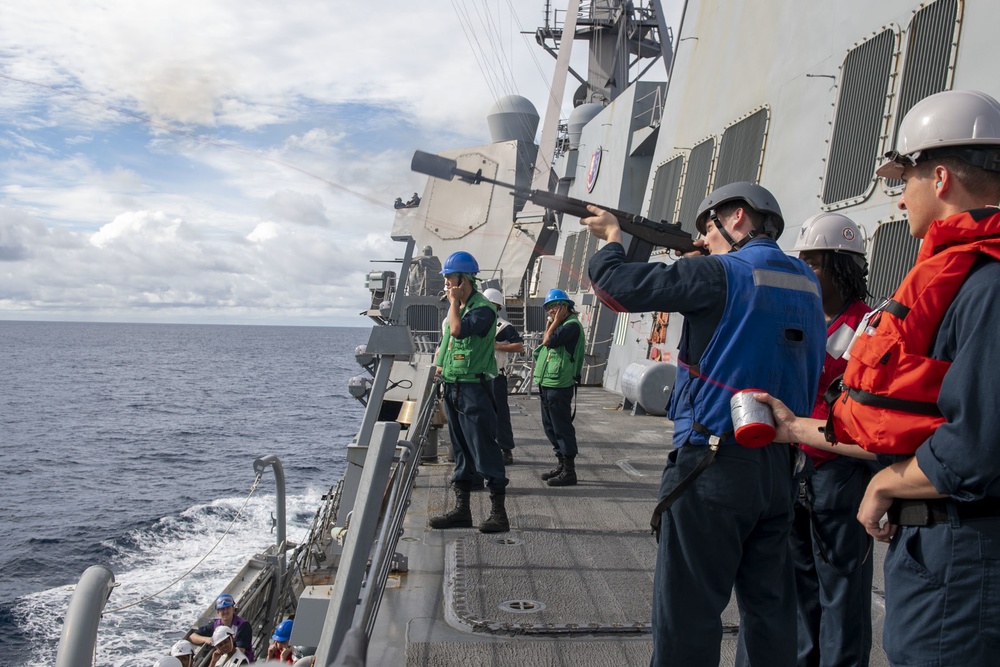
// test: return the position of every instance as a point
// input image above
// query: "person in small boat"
(184, 652)
(225, 607)
(226, 654)
(280, 649)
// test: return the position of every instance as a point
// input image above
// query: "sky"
(232, 161)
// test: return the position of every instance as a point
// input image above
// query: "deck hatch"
(893, 254)
(859, 120)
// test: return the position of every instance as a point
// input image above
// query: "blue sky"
(231, 161)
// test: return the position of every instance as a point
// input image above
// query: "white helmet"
(830, 231)
(949, 118)
(183, 647)
(221, 634)
(494, 296)
(168, 661)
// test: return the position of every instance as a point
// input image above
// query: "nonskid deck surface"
(572, 581)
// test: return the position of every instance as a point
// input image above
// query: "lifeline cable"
(253, 488)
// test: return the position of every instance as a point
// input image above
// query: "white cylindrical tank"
(648, 384)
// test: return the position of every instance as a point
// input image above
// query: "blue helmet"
(557, 295)
(283, 632)
(460, 262)
(223, 601)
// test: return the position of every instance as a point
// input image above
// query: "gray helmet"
(830, 231)
(953, 119)
(759, 198)
(428, 251)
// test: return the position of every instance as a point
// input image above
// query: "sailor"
(280, 649)
(425, 275)
(467, 366)
(226, 654)
(752, 318)
(225, 607)
(184, 652)
(831, 551)
(168, 661)
(558, 364)
(921, 388)
(508, 341)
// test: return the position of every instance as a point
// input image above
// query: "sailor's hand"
(603, 225)
(873, 508)
(702, 246)
(560, 315)
(784, 419)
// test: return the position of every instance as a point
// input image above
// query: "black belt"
(933, 512)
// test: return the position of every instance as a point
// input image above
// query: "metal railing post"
(79, 634)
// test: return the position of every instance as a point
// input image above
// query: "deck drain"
(509, 541)
(522, 606)
(409, 539)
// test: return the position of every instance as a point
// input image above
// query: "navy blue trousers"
(833, 561)
(505, 433)
(728, 530)
(472, 426)
(557, 419)
(942, 595)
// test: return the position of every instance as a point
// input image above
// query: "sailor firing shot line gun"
(646, 234)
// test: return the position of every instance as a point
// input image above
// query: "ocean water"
(132, 446)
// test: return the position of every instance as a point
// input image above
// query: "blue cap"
(460, 262)
(283, 632)
(555, 295)
(223, 601)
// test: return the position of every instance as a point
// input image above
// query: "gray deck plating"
(571, 583)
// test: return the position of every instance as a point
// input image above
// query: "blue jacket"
(772, 336)
(733, 332)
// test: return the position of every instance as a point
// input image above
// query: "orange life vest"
(888, 401)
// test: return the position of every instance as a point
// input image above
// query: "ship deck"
(571, 583)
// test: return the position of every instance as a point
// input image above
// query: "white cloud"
(290, 131)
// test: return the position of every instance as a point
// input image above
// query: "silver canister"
(753, 421)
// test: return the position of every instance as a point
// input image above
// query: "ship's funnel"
(513, 118)
(578, 119)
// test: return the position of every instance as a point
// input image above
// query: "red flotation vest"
(888, 400)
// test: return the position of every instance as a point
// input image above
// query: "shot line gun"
(655, 234)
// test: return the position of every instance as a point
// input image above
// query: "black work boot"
(555, 472)
(568, 475)
(497, 521)
(461, 516)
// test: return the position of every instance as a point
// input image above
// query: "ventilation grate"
(893, 253)
(858, 124)
(666, 187)
(699, 168)
(741, 150)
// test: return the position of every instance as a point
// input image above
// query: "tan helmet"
(494, 296)
(953, 118)
(830, 231)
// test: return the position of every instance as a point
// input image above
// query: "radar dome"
(578, 118)
(513, 118)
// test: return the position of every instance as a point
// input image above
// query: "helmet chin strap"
(736, 245)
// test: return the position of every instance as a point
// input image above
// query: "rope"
(253, 488)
